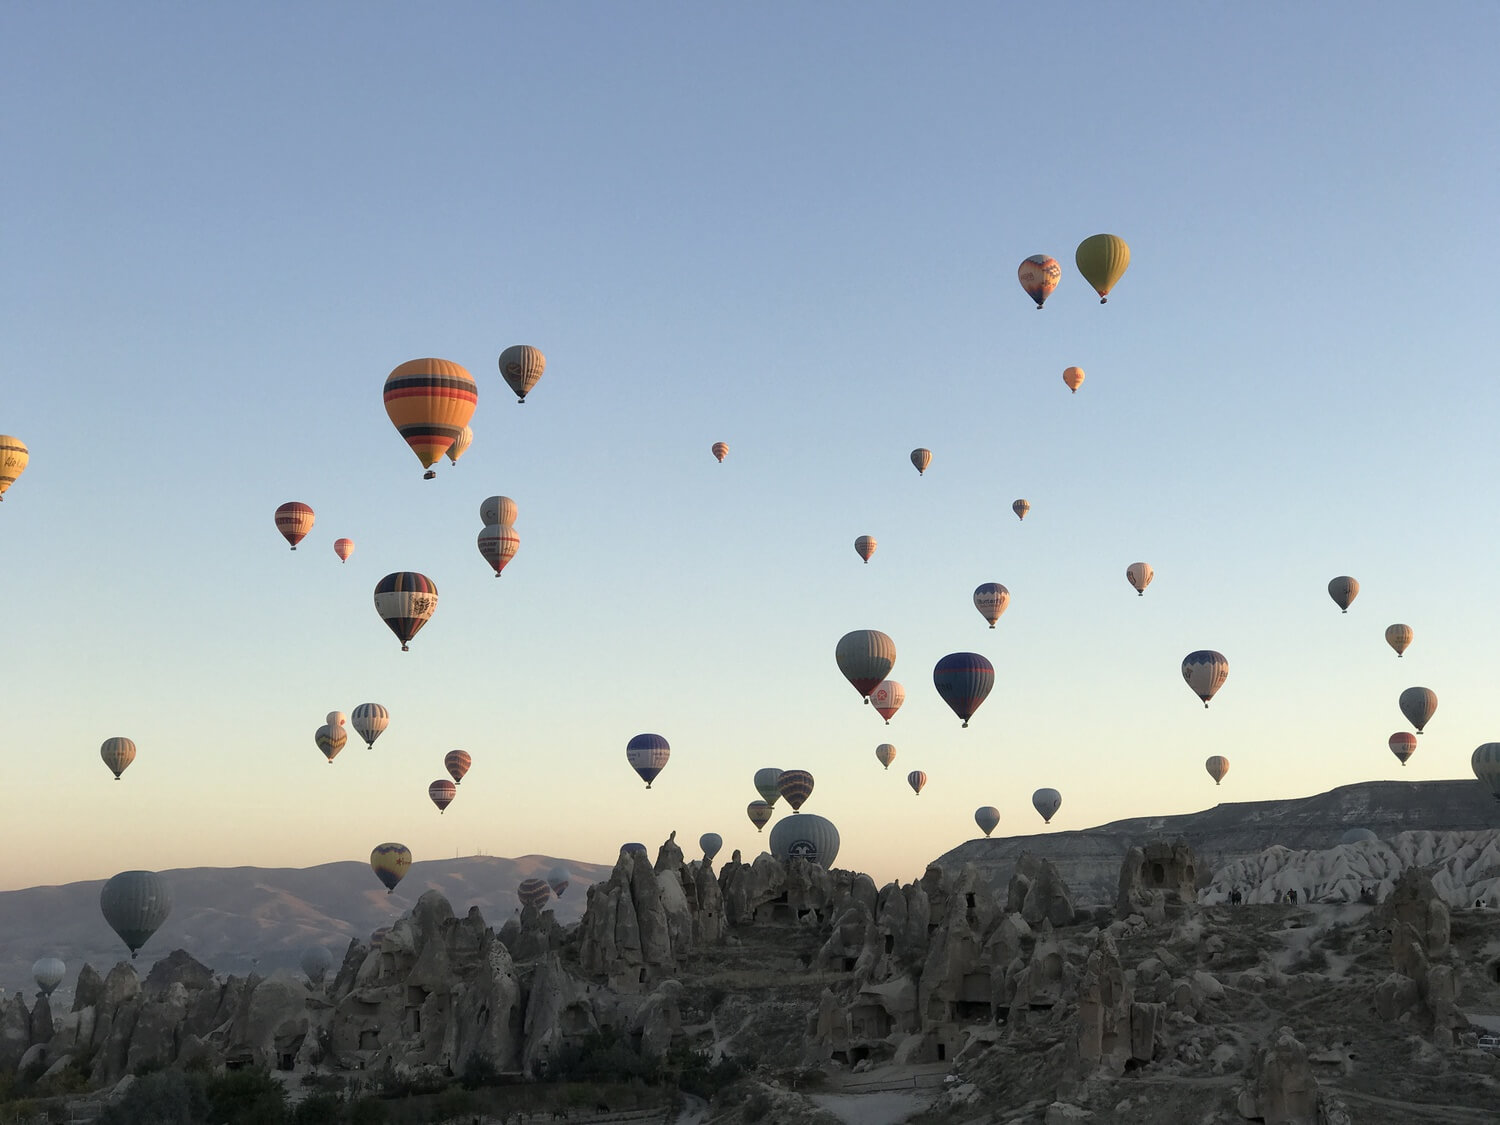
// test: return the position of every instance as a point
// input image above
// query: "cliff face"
(1089, 860)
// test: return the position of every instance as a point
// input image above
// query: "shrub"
(246, 1097)
(168, 1097)
(321, 1108)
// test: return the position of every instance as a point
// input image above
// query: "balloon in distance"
(1073, 378)
(441, 794)
(370, 721)
(647, 755)
(406, 601)
(964, 681)
(1217, 766)
(1139, 575)
(1046, 802)
(917, 780)
(48, 972)
(1398, 637)
(1020, 507)
(1418, 705)
(865, 546)
(1102, 259)
(865, 657)
(390, 862)
(885, 754)
(457, 763)
(330, 740)
(499, 543)
(336, 718)
(343, 548)
(887, 698)
(117, 754)
(991, 600)
(1485, 762)
(534, 892)
(1039, 275)
(720, 450)
(460, 444)
(759, 813)
(1343, 590)
(766, 780)
(558, 879)
(294, 520)
(796, 786)
(14, 457)
(1204, 672)
(1403, 744)
(497, 511)
(987, 817)
(135, 904)
(711, 843)
(920, 459)
(521, 366)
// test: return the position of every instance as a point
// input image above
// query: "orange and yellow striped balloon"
(13, 458)
(430, 401)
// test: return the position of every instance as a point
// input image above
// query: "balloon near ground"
(441, 794)
(316, 961)
(1217, 766)
(330, 740)
(796, 786)
(647, 755)
(1102, 259)
(865, 546)
(1403, 744)
(917, 780)
(809, 837)
(497, 511)
(1139, 575)
(370, 721)
(390, 862)
(558, 879)
(1485, 762)
(294, 520)
(920, 459)
(117, 754)
(988, 818)
(1398, 637)
(521, 366)
(711, 843)
(406, 601)
(1073, 377)
(1205, 671)
(865, 657)
(135, 904)
(885, 754)
(457, 763)
(14, 457)
(991, 600)
(964, 680)
(1020, 507)
(534, 892)
(430, 401)
(1343, 590)
(766, 780)
(1418, 705)
(48, 972)
(759, 813)
(720, 450)
(887, 698)
(498, 543)
(1046, 802)
(1039, 275)
(1359, 836)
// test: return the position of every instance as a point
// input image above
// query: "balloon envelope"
(796, 786)
(1205, 671)
(964, 680)
(916, 779)
(1343, 590)
(647, 755)
(1217, 766)
(720, 451)
(865, 657)
(135, 904)
(1359, 836)
(441, 793)
(316, 961)
(330, 740)
(865, 546)
(987, 817)
(294, 520)
(343, 548)
(711, 843)
(430, 401)
(920, 459)
(1073, 377)
(14, 457)
(534, 892)
(991, 600)
(1398, 637)
(1418, 705)
(406, 601)
(759, 813)
(808, 837)
(1046, 802)
(766, 780)
(498, 543)
(336, 718)
(390, 862)
(887, 697)
(460, 444)
(1102, 259)
(1403, 744)
(1485, 762)
(558, 879)
(1139, 575)
(885, 754)
(521, 366)
(497, 510)
(117, 754)
(1039, 275)
(369, 721)
(1020, 507)
(457, 763)
(48, 973)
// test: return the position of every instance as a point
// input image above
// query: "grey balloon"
(809, 836)
(1418, 705)
(1046, 802)
(316, 961)
(710, 842)
(135, 904)
(48, 974)
(1359, 836)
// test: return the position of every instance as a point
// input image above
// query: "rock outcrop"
(1282, 1088)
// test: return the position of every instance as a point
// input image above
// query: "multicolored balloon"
(1039, 275)
(1073, 377)
(1217, 766)
(460, 444)
(647, 755)
(441, 793)
(865, 657)
(720, 450)
(1205, 672)
(370, 721)
(1020, 507)
(1485, 762)
(1398, 637)
(865, 546)
(499, 544)
(117, 754)
(1418, 705)
(987, 817)
(887, 698)
(1102, 259)
(14, 457)
(991, 600)
(406, 601)
(330, 740)
(1139, 575)
(497, 511)
(534, 892)
(521, 366)
(759, 813)
(135, 904)
(390, 862)
(796, 786)
(294, 520)
(885, 754)
(1343, 590)
(916, 779)
(766, 780)
(920, 459)
(711, 843)
(1403, 744)
(1046, 802)
(964, 680)
(343, 548)
(457, 763)
(430, 401)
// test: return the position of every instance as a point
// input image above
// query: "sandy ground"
(885, 1107)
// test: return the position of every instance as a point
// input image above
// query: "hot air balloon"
(1139, 575)
(370, 721)
(634, 848)
(1046, 802)
(390, 862)
(796, 786)
(1039, 276)
(441, 794)
(1073, 377)
(460, 444)
(1403, 744)
(887, 697)
(1359, 836)
(865, 656)
(1020, 507)
(498, 544)
(343, 548)
(1398, 637)
(406, 601)
(1418, 704)
(1485, 762)
(457, 763)
(558, 880)
(647, 755)
(991, 600)
(497, 511)
(916, 779)
(430, 401)
(13, 458)
(809, 837)
(135, 904)
(963, 679)
(1217, 767)
(921, 458)
(1343, 590)
(1205, 672)
(766, 780)
(521, 366)
(711, 843)
(1102, 259)
(316, 961)
(720, 450)
(294, 520)
(987, 818)
(885, 754)
(534, 892)
(117, 754)
(759, 813)
(48, 972)
(330, 740)
(336, 719)
(864, 546)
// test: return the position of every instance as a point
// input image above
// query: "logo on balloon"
(802, 849)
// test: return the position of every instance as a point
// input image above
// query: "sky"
(793, 228)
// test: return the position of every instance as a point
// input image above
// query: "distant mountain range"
(1089, 859)
(238, 918)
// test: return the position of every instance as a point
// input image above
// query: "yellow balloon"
(13, 458)
(1102, 259)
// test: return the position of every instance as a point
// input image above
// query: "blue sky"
(793, 229)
